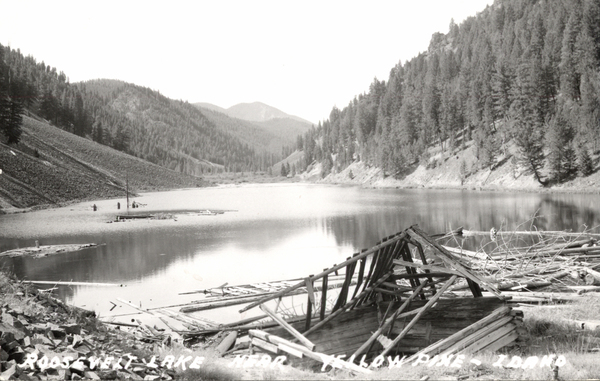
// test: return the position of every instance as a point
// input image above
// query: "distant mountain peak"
(253, 112)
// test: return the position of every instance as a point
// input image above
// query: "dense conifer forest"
(521, 72)
(129, 118)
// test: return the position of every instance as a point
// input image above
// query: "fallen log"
(60, 283)
(46, 250)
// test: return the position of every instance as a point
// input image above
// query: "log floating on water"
(46, 250)
(60, 283)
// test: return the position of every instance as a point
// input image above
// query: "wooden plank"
(441, 345)
(265, 345)
(288, 327)
(418, 316)
(501, 342)
(290, 350)
(490, 338)
(324, 297)
(328, 271)
(475, 336)
(321, 357)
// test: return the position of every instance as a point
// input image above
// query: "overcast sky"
(302, 57)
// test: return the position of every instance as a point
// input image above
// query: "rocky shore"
(42, 338)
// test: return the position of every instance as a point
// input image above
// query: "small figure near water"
(94, 207)
(118, 205)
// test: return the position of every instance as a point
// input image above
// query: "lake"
(268, 232)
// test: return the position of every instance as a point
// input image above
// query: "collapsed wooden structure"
(395, 299)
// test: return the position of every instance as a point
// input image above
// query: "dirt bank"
(460, 170)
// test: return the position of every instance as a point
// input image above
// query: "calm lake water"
(270, 232)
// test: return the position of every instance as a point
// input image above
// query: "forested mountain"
(275, 136)
(259, 125)
(523, 73)
(129, 118)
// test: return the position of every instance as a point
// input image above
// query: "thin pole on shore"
(127, 188)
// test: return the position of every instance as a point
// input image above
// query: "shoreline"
(384, 184)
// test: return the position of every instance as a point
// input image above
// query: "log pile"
(559, 263)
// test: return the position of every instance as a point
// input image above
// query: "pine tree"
(558, 140)
(585, 165)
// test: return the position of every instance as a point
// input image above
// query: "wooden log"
(442, 345)
(490, 338)
(388, 322)
(541, 253)
(467, 253)
(328, 271)
(288, 327)
(511, 337)
(592, 277)
(475, 336)
(198, 323)
(60, 283)
(424, 309)
(586, 325)
(469, 233)
(227, 343)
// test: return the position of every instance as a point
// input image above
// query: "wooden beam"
(324, 297)
(288, 327)
(443, 344)
(424, 309)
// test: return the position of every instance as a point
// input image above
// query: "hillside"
(132, 119)
(258, 124)
(252, 133)
(173, 134)
(459, 170)
(516, 83)
(51, 166)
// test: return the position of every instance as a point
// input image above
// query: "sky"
(303, 57)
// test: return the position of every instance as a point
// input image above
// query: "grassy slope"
(67, 167)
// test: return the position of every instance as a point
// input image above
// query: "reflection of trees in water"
(471, 210)
(576, 214)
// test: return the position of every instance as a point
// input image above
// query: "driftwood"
(43, 251)
(59, 283)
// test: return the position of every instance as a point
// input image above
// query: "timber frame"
(405, 276)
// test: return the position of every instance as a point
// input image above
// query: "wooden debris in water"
(45, 250)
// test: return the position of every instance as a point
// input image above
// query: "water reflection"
(277, 232)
